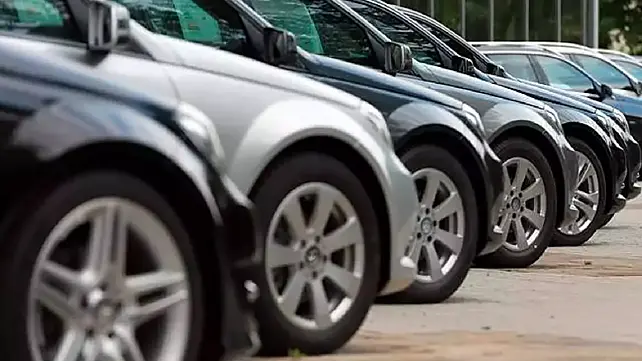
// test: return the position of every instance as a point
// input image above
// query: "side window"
(396, 30)
(603, 71)
(212, 23)
(631, 67)
(320, 28)
(516, 65)
(49, 18)
(563, 75)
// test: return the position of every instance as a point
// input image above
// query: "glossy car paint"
(55, 111)
(253, 133)
(413, 113)
(501, 109)
(568, 106)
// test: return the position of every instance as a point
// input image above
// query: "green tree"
(623, 19)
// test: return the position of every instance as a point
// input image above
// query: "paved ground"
(575, 304)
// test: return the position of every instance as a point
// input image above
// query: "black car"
(432, 133)
(577, 114)
(121, 240)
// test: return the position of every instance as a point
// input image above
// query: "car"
(546, 67)
(554, 97)
(507, 115)
(627, 62)
(336, 206)
(122, 236)
(437, 137)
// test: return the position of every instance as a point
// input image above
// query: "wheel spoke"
(591, 198)
(345, 236)
(520, 235)
(504, 225)
(322, 209)
(278, 255)
(449, 206)
(151, 310)
(71, 346)
(130, 346)
(320, 304)
(430, 191)
(143, 284)
(291, 297)
(586, 208)
(347, 281)
(506, 179)
(71, 280)
(293, 214)
(108, 241)
(454, 242)
(434, 265)
(536, 219)
(584, 172)
(56, 302)
(533, 190)
(520, 175)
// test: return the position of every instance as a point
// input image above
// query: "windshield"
(634, 68)
(603, 71)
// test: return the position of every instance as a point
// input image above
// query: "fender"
(63, 127)
(504, 116)
(572, 116)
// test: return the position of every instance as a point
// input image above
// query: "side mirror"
(108, 25)
(606, 91)
(397, 57)
(462, 65)
(279, 46)
(495, 69)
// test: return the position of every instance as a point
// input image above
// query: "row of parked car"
(184, 178)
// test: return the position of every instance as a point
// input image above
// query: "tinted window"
(396, 30)
(38, 17)
(564, 75)
(603, 71)
(633, 68)
(213, 22)
(320, 28)
(447, 39)
(516, 65)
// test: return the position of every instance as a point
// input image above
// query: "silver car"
(337, 206)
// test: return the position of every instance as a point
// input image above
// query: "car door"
(564, 75)
(48, 27)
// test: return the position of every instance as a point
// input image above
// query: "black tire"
(430, 156)
(32, 219)
(278, 334)
(605, 220)
(564, 240)
(504, 257)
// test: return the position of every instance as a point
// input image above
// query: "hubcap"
(586, 197)
(440, 227)
(109, 284)
(522, 207)
(315, 256)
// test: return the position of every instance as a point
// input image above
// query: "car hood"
(217, 61)
(338, 69)
(463, 81)
(630, 106)
(544, 94)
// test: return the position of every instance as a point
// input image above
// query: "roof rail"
(616, 53)
(528, 43)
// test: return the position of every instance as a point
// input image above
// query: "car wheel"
(528, 206)
(101, 268)
(322, 254)
(447, 225)
(604, 220)
(589, 198)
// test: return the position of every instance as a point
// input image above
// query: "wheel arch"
(350, 157)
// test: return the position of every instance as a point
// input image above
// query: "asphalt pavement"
(580, 303)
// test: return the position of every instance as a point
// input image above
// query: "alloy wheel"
(315, 256)
(440, 227)
(586, 197)
(109, 283)
(522, 207)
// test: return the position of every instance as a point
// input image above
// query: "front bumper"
(494, 185)
(634, 156)
(570, 165)
(403, 206)
(239, 262)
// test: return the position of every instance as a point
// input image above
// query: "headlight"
(621, 121)
(554, 118)
(473, 117)
(377, 120)
(201, 131)
(606, 120)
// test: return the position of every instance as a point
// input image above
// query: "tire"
(282, 330)
(429, 158)
(586, 225)
(605, 220)
(36, 219)
(508, 256)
